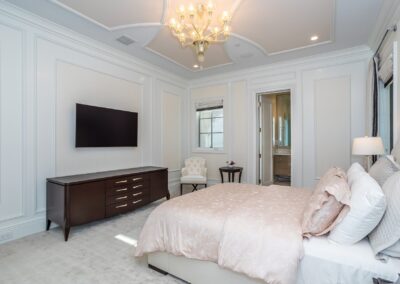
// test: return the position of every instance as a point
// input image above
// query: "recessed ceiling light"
(314, 38)
(195, 66)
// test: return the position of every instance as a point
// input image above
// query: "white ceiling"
(264, 31)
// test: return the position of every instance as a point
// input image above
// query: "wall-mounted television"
(105, 127)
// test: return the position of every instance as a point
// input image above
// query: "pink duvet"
(249, 229)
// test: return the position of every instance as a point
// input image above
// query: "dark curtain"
(375, 104)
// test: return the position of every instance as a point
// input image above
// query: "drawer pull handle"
(136, 194)
(120, 206)
(122, 197)
(122, 189)
(134, 202)
(121, 181)
(136, 179)
(137, 186)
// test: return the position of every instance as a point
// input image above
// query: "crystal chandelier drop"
(197, 26)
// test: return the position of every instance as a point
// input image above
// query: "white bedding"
(325, 262)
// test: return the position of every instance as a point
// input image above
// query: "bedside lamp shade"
(366, 146)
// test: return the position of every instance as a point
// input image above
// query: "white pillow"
(383, 169)
(353, 172)
(387, 233)
(367, 206)
(393, 250)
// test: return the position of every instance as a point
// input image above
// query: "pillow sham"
(383, 169)
(353, 172)
(387, 233)
(328, 204)
(367, 206)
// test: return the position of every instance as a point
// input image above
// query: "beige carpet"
(91, 255)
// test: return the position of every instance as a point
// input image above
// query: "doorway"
(274, 136)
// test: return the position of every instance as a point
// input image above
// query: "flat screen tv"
(104, 127)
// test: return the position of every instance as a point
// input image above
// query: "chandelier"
(197, 26)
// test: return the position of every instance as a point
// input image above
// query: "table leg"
(222, 176)
(233, 176)
(240, 176)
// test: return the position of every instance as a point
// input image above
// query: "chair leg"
(194, 187)
(181, 188)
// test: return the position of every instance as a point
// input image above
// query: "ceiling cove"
(259, 27)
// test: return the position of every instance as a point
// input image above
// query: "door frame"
(258, 128)
(296, 130)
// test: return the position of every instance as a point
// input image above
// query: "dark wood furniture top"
(231, 173)
(80, 199)
(76, 179)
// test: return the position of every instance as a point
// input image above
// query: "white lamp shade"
(366, 146)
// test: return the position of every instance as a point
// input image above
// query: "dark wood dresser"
(80, 199)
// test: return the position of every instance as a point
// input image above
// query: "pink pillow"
(328, 204)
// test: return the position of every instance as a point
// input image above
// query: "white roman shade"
(212, 104)
(385, 64)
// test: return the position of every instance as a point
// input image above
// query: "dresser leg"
(168, 195)
(48, 224)
(66, 233)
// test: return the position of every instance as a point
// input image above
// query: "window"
(211, 127)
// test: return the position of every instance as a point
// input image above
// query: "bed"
(234, 233)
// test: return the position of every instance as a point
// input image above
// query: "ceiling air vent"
(125, 40)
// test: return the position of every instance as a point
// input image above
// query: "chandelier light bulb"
(172, 23)
(191, 10)
(225, 16)
(210, 7)
(181, 9)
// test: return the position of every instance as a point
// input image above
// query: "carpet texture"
(91, 255)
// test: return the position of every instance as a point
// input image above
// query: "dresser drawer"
(118, 198)
(118, 208)
(118, 182)
(124, 189)
(139, 201)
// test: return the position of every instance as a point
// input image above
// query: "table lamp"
(368, 146)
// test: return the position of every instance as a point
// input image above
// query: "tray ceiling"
(263, 31)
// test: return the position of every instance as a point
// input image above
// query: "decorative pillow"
(327, 205)
(387, 233)
(353, 172)
(383, 169)
(367, 206)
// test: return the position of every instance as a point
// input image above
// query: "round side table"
(231, 173)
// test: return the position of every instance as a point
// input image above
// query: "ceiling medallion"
(197, 26)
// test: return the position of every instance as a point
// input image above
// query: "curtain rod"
(391, 29)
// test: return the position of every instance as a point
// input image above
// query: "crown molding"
(348, 55)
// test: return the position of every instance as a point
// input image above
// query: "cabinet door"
(158, 185)
(86, 202)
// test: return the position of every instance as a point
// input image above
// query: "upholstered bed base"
(196, 271)
(199, 272)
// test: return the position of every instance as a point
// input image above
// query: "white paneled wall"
(44, 71)
(12, 122)
(328, 110)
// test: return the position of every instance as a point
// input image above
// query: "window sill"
(208, 151)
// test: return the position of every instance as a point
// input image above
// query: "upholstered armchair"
(194, 173)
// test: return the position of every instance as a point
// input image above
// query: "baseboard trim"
(22, 229)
